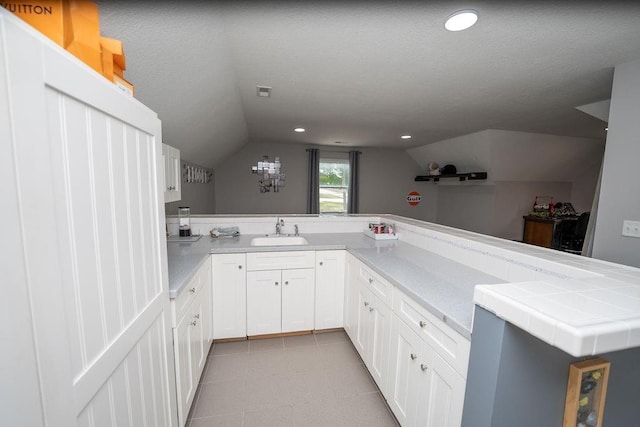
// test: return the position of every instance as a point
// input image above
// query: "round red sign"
(414, 198)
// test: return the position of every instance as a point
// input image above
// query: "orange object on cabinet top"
(72, 24)
(113, 59)
(115, 46)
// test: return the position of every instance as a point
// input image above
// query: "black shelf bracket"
(471, 176)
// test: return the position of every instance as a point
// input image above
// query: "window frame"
(344, 188)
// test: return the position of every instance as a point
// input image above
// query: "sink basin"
(279, 241)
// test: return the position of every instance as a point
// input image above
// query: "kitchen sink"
(279, 241)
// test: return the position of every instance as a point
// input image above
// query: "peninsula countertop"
(440, 285)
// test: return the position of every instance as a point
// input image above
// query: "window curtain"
(313, 192)
(354, 161)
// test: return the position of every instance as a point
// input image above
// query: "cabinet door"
(362, 320)
(172, 173)
(377, 359)
(207, 313)
(199, 333)
(351, 298)
(330, 278)
(229, 296)
(440, 392)
(298, 300)
(184, 366)
(264, 305)
(404, 364)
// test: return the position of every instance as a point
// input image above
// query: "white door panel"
(84, 162)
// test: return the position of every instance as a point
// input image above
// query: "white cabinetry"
(428, 366)
(191, 312)
(424, 389)
(229, 295)
(369, 315)
(280, 300)
(330, 277)
(80, 161)
(172, 174)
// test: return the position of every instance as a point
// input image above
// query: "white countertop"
(580, 305)
(442, 286)
(582, 317)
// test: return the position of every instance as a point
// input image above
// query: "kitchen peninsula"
(436, 269)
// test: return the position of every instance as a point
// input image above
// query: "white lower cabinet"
(280, 301)
(330, 278)
(418, 362)
(369, 323)
(192, 335)
(229, 295)
(424, 390)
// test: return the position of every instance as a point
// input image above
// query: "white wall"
(520, 166)
(619, 195)
(386, 177)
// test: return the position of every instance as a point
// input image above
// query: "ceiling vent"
(264, 91)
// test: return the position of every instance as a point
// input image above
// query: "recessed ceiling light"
(406, 137)
(299, 129)
(461, 20)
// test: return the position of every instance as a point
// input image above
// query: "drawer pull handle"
(370, 309)
(423, 367)
(276, 283)
(286, 282)
(239, 267)
(366, 304)
(192, 290)
(194, 323)
(414, 356)
(423, 323)
(197, 316)
(370, 280)
(320, 262)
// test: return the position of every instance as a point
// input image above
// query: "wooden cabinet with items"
(229, 295)
(192, 336)
(280, 298)
(329, 290)
(368, 310)
(172, 177)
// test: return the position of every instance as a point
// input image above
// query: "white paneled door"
(85, 257)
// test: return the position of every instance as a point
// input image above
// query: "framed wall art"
(586, 393)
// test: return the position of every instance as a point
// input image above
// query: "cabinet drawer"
(280, 260)
(450, 345)
(379, 286)
(180, 304)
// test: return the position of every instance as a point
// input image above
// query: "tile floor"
(306, 380)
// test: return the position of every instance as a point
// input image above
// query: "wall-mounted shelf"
(471, 176)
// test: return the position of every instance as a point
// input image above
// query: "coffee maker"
(184, 221)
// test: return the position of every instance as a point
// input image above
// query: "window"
(334, 186)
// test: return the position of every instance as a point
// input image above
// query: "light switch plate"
(631, 228)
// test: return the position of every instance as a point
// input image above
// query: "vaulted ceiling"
(366, 72)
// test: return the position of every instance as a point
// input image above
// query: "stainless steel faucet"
(279, 225)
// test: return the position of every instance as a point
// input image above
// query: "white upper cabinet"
(172, 175)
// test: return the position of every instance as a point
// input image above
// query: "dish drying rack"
(219, 232)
